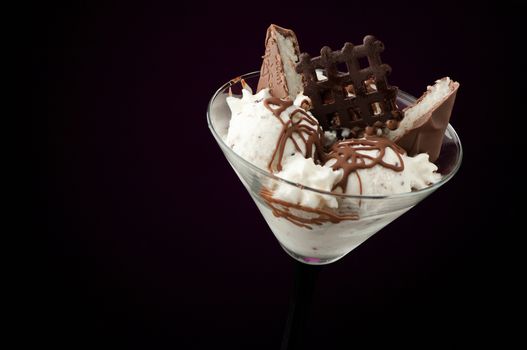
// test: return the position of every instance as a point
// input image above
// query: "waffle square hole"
(377, 108)
(349, 91)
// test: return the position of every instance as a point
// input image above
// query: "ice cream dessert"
(334, 141)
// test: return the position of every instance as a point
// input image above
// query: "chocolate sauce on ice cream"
(350, 155)
(309, 132)
(296, 213)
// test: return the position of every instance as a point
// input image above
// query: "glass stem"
(299, 305)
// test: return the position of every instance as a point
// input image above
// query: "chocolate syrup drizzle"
(283, 209)
(348, 155)
(310, 133)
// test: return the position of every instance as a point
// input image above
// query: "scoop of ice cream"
(304, 171)
(377, 166)
(266, 131)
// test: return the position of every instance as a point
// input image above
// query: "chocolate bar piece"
(424, 124)
(278, 71)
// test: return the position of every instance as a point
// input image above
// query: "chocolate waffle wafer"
(351, 96)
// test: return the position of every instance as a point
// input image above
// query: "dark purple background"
(149, 240)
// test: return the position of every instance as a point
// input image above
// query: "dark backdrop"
(147, 239)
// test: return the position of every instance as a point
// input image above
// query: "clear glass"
(326, 241)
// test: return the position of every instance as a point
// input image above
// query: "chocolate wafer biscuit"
(351, 96)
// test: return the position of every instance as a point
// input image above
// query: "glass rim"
(400, 94)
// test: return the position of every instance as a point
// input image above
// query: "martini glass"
(318, 237)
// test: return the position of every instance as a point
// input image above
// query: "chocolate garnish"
(370, 130)
(349, 156)
(357, 98)
(274, 64)
(427, 135)
(309, 132)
